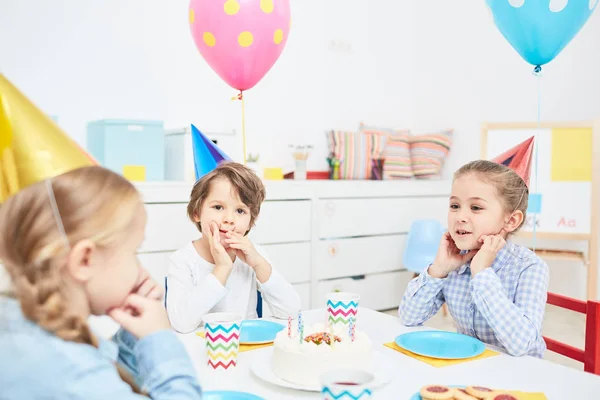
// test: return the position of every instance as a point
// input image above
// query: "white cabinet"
(377, 291)
(376, 216)
(283, 222)
(168, 227)
(292, 260)
(337, 258)
(322, 236)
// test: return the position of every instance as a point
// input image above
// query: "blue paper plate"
(229, 395)
(440, 344)
(257, 331)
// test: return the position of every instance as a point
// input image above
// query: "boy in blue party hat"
(222, 271)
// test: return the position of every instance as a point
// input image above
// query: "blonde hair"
(511, 188)
(92, 203)
(246, 183)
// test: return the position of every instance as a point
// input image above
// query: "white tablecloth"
(502, 371)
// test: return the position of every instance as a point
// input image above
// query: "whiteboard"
(565, 201)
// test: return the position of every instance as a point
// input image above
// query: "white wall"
(84, 60)
(136, 59)
(467, 73)
(424, 64)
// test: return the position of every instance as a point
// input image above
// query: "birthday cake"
(321, 349)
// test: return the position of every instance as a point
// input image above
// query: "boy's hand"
(222, 259)
(220, 256)
(486, 255)
(448, 258)
(244, 249)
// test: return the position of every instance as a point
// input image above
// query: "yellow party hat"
(32, 146)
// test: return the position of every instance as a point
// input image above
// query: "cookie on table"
(436, 392)
(480, 392)
(501, 396)
(461, 394)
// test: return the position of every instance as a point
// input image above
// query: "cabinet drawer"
(377, 291)
(282, 222)
(168, 227)
(303, 290)
(292, 260)
(359, 256)
(361, 217)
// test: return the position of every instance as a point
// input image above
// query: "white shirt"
(193, 291)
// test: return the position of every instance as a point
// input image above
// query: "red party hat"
(518, 159)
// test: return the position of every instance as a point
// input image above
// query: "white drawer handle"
(329, 209)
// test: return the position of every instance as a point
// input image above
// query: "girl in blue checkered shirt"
(495, 289)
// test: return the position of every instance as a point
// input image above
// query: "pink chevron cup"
(222, 336)
(341, 307)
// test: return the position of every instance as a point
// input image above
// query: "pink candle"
(289, 327)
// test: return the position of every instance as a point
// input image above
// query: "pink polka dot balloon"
(240, 39)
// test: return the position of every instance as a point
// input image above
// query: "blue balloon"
(540, 29)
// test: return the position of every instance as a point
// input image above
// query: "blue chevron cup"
(346, 384)
(341, 307)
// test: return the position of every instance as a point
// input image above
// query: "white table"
(502, 371)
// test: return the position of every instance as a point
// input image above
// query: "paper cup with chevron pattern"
(346, 384)
(341, 306)
(222, 335)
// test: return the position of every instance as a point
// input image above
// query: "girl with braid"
(69, 245)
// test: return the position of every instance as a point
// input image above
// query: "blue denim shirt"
(35, 364)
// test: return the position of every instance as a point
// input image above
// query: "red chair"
(590, 356)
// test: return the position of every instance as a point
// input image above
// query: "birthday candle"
(353, 336)
(289, 327)
(350, 324)
(300, 326)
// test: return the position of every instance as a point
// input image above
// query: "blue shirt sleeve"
(422, 299)
(126, 357)
(158, 362)
(517, 323)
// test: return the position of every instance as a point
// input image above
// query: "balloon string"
(240, 96)
(537, 71)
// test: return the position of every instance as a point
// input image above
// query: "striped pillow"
(428, 153)
(396, 153)
(355, 152)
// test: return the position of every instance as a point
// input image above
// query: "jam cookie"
(501, 396)
(461, 394)
(436, 392)
(479, 391)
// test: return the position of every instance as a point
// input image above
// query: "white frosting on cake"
(303, 363)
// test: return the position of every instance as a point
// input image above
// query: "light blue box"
(534, 204)
(119, 143)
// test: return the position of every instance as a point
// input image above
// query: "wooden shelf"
(565, 255)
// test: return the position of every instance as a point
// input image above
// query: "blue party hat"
(206, 154)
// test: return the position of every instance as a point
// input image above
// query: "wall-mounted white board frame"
(568, 165)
